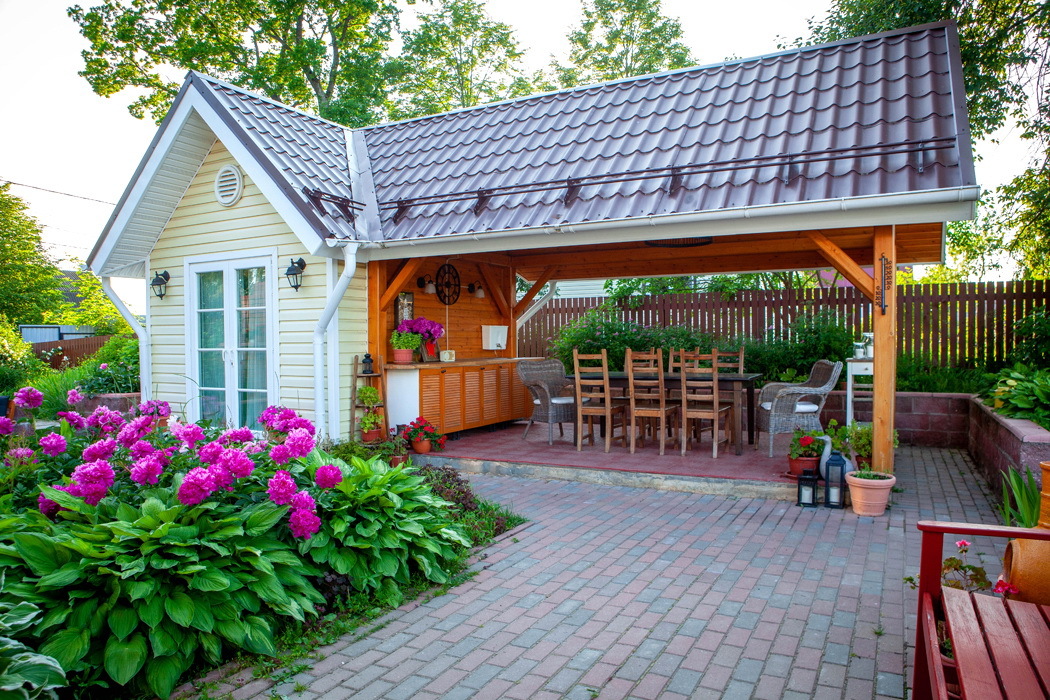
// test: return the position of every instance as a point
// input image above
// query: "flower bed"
(151, 551)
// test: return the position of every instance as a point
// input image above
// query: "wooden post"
(884, 325)
(376, 314)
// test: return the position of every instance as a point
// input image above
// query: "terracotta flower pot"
(1027, 562)
(869, 496)
(396, 460)
(421, 446)
(402, 356)
(371, 435)
(797, 464)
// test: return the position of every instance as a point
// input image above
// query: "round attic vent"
(229, 184)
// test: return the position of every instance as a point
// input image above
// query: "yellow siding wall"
(201, 226)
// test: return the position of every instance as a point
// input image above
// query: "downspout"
(537, 305)
(332, 305)
(145, 356)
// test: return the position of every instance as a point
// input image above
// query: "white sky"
(58, 135)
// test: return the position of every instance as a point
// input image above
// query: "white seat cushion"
(800, 407)
(561, 400)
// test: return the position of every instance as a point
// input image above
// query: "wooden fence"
(72, 350)
(950, 324)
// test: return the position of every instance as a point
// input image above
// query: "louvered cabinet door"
(441, 394)
(490, 398)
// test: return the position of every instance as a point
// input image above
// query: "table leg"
(738, 436)
(751, 413)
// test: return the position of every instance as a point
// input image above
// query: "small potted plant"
(371, 425)
(423, 436)
(395, 449)
(404, 344)
(859, 437)
(368, 396)
(869, 491)
(804, 452)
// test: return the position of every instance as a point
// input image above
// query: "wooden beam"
(376, 318)
(495, 292)
(533, 291)
(843, 263)
(406, 273)
(884, 325)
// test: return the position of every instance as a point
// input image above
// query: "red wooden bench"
(1000, 648)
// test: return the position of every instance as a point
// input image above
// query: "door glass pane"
(251, 286)
(250, 404)
(209, 288)
(251, 329)
(213, 406)
(213, 374)
(252, 374)
(211, 329)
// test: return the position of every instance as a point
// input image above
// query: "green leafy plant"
(860, 436)
(806, 443)
(1021, 498)
(871, 475)
(17, 361)
(368, 396)
(1020, 392)
(956, 572)
(115, 368)
(23, 672)
(370, 421)
(1032, 339)
(405, 341)
(915, 373)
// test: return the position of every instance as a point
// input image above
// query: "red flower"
(805, 440)
(1004, 588)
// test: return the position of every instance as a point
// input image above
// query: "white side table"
(855, 367)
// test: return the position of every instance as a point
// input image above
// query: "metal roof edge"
(263, 98)
(963, 138)
(909, 207)
(675, 71)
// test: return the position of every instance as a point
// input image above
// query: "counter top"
(465, 362)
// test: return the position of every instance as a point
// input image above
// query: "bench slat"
(1010, 658)
(928, 620)
(976, 672)
(1035, 633)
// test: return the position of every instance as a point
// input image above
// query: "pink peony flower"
(73, 397)
(221, 477)
(138, 428)
(190, 434)
(104, 365)
(53, 444)
(147, 470)
(210, 453)
(304, 523)
(280, 454)
(74, 419)
(18, 456)
(103, 449)
(328, 476)
(237, 462)
(299, 442)
(91, 481)
(236, 435)
(256, 447)
(28, 397)
(7, 426)
(281, 487)
(197, 486)
(962, 543)
(105, 419)
(141, 449)
(304, 501)
(297, 423)
(48, 507)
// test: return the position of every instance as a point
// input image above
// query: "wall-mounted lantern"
(159, 285)
(475, 289)
(426, 283)
(294, 273)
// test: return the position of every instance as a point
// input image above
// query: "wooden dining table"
(733, 382)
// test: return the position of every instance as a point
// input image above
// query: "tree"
(621, 39)
(321, 55)
(94, 307)
(29, 287)
(458, 57)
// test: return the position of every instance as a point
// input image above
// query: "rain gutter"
(335, 297)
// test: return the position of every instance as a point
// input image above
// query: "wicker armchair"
(546, 380)
(784, 407)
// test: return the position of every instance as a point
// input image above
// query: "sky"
(59, 136)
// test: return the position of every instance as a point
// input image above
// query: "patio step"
(740, 488)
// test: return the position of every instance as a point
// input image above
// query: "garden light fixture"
(159, 285)
(807, 488)
(835, 481)
(426, 283)
(294, 273)
(475, 289)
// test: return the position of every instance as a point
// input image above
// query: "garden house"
(282, 242)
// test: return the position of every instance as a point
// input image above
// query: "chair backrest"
(548, 374)
(731, 362)
(676, 361)
(594, 387)
(699, 384)
(823, 376)
(645, 374)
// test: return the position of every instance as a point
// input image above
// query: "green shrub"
(1021, 498)
(449, 484)
(56, 386)
(1032, 339)
(916, 373)
(114, 369)
(17, 361)
(1020, 392)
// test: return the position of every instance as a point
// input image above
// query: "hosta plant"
(23, 672)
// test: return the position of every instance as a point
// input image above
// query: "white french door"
(231, 361)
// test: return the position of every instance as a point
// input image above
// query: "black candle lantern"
(366, 364)
(835, 481)
(807, 489)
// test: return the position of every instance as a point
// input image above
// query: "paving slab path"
(618, 592)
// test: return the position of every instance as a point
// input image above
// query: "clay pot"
(371, 435)
(421, 446)
(1027, 562)
(114, 402)
(403, 357)
(869, 496)
(396, 460)
(797, 464)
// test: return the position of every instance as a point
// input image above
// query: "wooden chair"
(593, 399)
(546, 381)
(701, 400)
(645, 382)
(784, 407)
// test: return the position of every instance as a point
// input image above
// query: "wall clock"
(447, 282)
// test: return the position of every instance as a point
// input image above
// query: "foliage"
(957, 573)
(486, 521)
(30, 287)
(806, 443)
(346, 451)
(93, 307)
(1025, 202)
(405, 341)
(368, 396)
(458, 57)
(449, 484)
(370, 420)
(1032, 339)
(114, 368)
(422, 429)
(23, 672)
(859, 437)
(1021, 392)
(622, 39)
(870, 474)
(1021, 498)
(632, 292)
(916, 373)
(322, 55)
(17, 361)
(811, 337)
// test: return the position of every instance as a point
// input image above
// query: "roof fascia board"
(953, 204)
(963, 139)
(362, 185)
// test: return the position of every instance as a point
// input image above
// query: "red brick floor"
(505, 444)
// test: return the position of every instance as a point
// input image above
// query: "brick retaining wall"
(922, 419)
(996, 443)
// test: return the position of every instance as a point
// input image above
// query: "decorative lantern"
(159, 285)
(835, 481)
(476, 289)
(366, 364)
(807, 488)
(294, 273)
